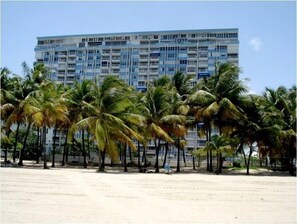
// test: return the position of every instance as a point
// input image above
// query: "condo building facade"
(138, 57)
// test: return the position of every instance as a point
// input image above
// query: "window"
(182, 69)
(141, 83)
(221, 48)
(191, 69)
(183, 62)
(171, 55)
(171, 69)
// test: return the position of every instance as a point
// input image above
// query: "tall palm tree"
(218, 99)
(106, 119)
(156, 105)
(50, 111)
(256, 127)
(282, 105)
(78, 100)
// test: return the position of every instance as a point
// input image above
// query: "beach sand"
(85, 196)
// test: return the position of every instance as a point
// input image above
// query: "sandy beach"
(86, 196)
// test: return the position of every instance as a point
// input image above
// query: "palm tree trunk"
(207, 160)
(184, 157)
(65, 148)
(44, 148)
(138, 155)
(125, 159)
(165, 156)
(38, 143)
(24, 146)
(178, 156)
(248, 162)
(193, 158)
(157, 155)
(54, 147)
(16, 141)
(220, 162)
(210, 151)
(84, 149)
(102, 160)
(144, 157)
(130, 154)
(89, 152)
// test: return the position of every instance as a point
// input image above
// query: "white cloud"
(256, 43)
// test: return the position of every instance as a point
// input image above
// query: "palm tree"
(106, 119)
(50, 111)
(78, 100)
(282, 104)
(217, 100)
(219, 144)
(256, 126)
(156, 106)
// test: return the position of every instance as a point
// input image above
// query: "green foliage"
(114, 113)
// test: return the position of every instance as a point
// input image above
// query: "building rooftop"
(142, 32)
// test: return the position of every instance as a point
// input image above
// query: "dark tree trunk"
(65, 148)
(125, 159)
(165, 156)
(194, 168)
(207, 160)
(54, 147)
(138, 155)
(157, 156)
(144, 157)
(130, 154)
(210, 161)
(24, 146)
(44, 148)
(16, 141)
(210, 151)
(37, 145)
(102, 160)
(178, 156)
(84, 149)
(184, 157)
(249, 159)
(220, 162)
(89, 151)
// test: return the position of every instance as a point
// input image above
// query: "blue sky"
(267, 30)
